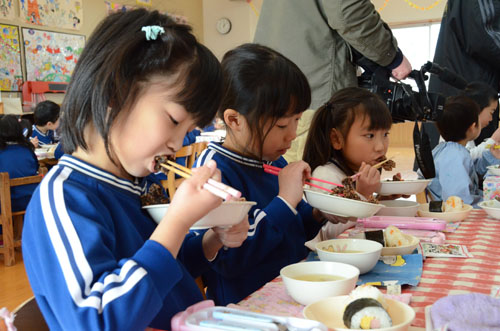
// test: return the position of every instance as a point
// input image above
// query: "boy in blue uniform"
(94, 258)
(46, 115)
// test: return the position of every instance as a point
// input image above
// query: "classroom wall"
(244, 17)
(95, 10)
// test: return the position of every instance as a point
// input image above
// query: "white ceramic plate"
(494, 170)
(403, 208)
(335, 205)
(227, 214)
(330, 312)
(491, 207)
(402, 250)
(450, 216)
(407, 187)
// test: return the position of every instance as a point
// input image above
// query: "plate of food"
(227, 214)
(494, 169)
(336, 205)
(401, 186)
(451, 210)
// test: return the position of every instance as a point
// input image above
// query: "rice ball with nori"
(366, 314)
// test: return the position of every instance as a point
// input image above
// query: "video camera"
(404, 103)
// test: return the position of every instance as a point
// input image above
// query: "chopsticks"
(219, 189)
(492, 145)
(376, 166)
(275, 171)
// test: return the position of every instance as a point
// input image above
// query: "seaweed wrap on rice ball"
(366, 314)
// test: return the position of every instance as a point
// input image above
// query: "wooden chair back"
(29, 317)
(7, 216)
(197, 149)
(172, 183)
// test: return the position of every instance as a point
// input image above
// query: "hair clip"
(152, 31)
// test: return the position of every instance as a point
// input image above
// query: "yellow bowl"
(450, 216)
(330, 312)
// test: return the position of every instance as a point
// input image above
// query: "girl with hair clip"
(264, 97)
(348, 134)
(94, 258)
(17, 157)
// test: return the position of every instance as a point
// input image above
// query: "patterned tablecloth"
(440, 277)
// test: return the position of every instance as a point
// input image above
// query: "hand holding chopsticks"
(219, 189)
(376, 166)
(275, 171)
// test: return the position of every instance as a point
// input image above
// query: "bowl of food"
(340, 311)
(361, 253)
(307, 282)
(332, 204)
(494, 169)
(491, 207)
(227, 214)
(403, 208)
(406, 187)
(451, 210)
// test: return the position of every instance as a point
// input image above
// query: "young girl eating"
(348, 135)
(264, 97)
(94, 258)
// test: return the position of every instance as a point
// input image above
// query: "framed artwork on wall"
(11, 74)
(51, 56)
(66, 14)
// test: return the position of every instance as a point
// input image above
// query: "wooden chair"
(172, 183)
(29, 317)
(7, 217)
(197, 149)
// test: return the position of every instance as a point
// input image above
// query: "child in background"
(348, 134)
(94, 258)
(487, 99)
(17, 157)
(46, 115)
(264, 97)
(455, 169)
(28, 131)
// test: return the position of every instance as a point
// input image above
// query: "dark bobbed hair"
(340, 113)
(482, 93)
(459, 113)
(11, 131)
(45, 112)
(262, 84)
(117, 64)
(26, 125)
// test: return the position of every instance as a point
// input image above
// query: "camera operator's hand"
(403, 70)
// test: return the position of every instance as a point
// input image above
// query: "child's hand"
(233, 236)
(368, 181)
(495, 151)
(182, 212)
(34, 141)
(496, 135)
(291, 182)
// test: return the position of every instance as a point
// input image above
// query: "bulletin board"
(11, 74)
(51, 56)
(66, 14)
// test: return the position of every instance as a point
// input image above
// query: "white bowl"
(335, 205)
(407, 187)
(330, 311)
(450, 216)
(365, 256)
(402, 250)
(494, 170)
(398, 208)
(306, 291)
(227, 214)
(491, 207)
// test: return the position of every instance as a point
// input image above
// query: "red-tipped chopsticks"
(275, 171)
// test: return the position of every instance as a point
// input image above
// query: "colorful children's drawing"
(66, 14)
(144, 2)
(7, 9)
(51, 56)
(112, 7)
(11, 74)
